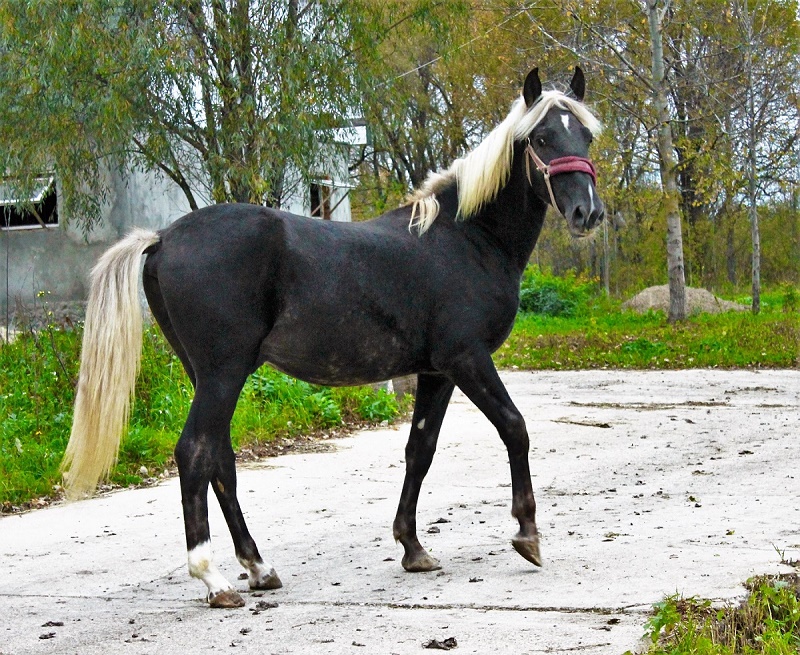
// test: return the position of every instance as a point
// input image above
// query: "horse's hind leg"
(204, 456)
(260, 575)
(433, 395)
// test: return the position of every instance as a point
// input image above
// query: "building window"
(39, 210)
(321, 200)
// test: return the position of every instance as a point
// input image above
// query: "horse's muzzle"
(583, 217)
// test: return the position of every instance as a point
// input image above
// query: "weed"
(790, 298)
(767, 621)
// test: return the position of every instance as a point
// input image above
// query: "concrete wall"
(55, 262)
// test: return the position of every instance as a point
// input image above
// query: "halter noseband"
(557, 166)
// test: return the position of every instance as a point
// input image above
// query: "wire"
(456, 49)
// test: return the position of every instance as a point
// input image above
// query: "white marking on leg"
(421, 424)
(258, 572)
(565, 120)
(201, 566)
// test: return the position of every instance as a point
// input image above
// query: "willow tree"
(225, 97)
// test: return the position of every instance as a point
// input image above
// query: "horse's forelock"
(482, 173)
(551, 99)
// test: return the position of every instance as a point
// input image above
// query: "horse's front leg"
(433, 395)
(477, 377)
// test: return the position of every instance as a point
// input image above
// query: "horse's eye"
(540, 141)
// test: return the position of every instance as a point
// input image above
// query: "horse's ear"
(532, 88)
(578, 84)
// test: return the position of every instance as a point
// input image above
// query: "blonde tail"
(112, 348)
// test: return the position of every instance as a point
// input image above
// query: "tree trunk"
(754, 233)
(752, 166)
(667, 164)
(730, 254)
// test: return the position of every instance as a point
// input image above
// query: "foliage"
(232, 100)
(225, 101)
(37, 394)
(767, 622)
(550, 295)
(707, 70)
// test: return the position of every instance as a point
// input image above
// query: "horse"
(430, 288)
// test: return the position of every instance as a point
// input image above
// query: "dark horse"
(431, 288)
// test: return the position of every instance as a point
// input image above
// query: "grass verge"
(37, 394)
(625, 339)
(766, 622)
(566, 323)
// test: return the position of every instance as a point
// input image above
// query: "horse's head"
(557, 133)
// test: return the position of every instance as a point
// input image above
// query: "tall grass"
(39, 370)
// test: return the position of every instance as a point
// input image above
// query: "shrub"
(547, 294)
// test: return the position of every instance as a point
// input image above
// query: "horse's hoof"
(421, 563)
(268, 581)
(528, 547)
(226, 599)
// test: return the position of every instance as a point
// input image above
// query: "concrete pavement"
(647, 483)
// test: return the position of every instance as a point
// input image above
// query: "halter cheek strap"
(557, 166)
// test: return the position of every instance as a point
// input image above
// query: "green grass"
(629, 340)
(37, 394)
(572, 326)
(766, 622)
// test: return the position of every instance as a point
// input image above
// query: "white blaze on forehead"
(565, 120)
(591, 199)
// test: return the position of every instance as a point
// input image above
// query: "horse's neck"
(514, 219)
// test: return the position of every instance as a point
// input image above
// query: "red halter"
(557, 166)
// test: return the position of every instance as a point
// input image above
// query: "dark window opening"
(42, 208)
(321, 201)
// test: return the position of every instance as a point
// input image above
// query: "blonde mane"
(481, 174)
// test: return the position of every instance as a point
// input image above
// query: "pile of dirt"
(698, 301)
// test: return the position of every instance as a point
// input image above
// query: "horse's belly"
(337, 359)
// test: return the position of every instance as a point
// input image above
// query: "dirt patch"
(698, 301)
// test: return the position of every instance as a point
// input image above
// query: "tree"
(623, 42)
(667, 161)
(435, 92)
(769, 122)
(225, 97)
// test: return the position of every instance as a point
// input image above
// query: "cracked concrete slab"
(647, 483)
